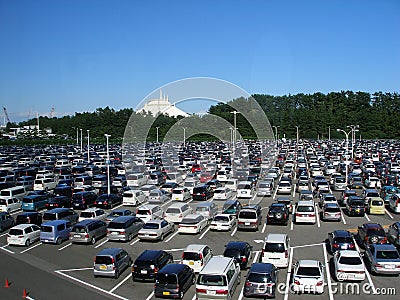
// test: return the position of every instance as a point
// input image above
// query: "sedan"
(118, 213)
(23, 234)
(348, 266)
(159, 196)
(308, 277)
(284, 187)
(223, 222)
(383, 258)
(193, 224)
(156, 230)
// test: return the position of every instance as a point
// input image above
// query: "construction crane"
(6, 113)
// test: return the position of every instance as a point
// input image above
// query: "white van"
(17, 192)
(232, 183)
(175, 177)
(44, 184)
(196, 256)
(176, 212)
(218, 279)
(136, 180)
(133, 197)
(245, 189)
(10, 204)
(276, 250)
(149, 212)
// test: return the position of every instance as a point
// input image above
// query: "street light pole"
(353, 138)
(297, 136)
(276, 135)
(235, 130)
(184, 136)
(108, 165)
(88, 144)
(81, 141)
(77, 137)
(347, 150)
(157, 133)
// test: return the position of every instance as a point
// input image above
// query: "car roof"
(372, 225)
(109, 251)
(122, 219)
(349, 253)
(91, 209)
(341, 233)
(380, 247)
(236, 245)
(308, 263)
(261, 268)
(276, 237)
(172, 268)
(22, 226)
(195, 247)
(55, 222)
(149, 254)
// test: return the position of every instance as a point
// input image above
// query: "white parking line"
(204, 233)
(264, 227)
(9, 251)
(172, 235)
(317, 215)
(90, 285)
(291, 223)
(327, 273)
(389, 214)
(342, 216)
(256, 256)
(62, 248)
(134, 242)
(3, 234)
(366, 216)
(101, 244)
(16, 212)
(150, 296)
(119, 206)
(30, 248)
(305, 246)
(77, 269)
(234, 231)
(366, 271)
(289, 274)
(294, 192)
(121, 283)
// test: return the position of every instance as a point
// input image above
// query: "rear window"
(190, 256)
(46, 229)
(150, 225)
(189, 221)
(86, 214)
(274, 247)
(332, 209)
(212, 280)
(222, 219)
(49, 216)
(259, 278)
(16, 232)
(78, 229)
(308, 271)
(350, 261)
(143, 212)
(389, 254)
(343, 240)
(305, 208)
(166, 278)
(128, 195)
(377, 203)
(247, 214)
(5, 193)
(3, 202)
(372, 194)
(103, 260)
(172, 210)
(116, 225)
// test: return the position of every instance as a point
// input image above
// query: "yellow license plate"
(103, 267)
(191, 263)
(166, 293)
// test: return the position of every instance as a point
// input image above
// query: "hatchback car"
(348, 266)
(261, 280)
(148, 263)
(192, 224)
(124, 228)
(196, 256)
(223, 193)
(108, 200)
(173, 281)
(111, 262)
(308, 277)
(23, 234)
(156, 230)
(181, 194)
(223, 222)
(240, 251)
(277, 214)
(92, 213)
(383, 258)
(118, 213)
(287, 201)
(355, 206)
(305, 212)
(331, 212)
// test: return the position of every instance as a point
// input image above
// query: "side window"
(28, 230)
(60, 227)
(230, 274)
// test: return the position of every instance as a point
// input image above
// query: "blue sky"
(80, 55)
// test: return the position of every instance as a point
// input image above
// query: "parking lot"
(65, 271)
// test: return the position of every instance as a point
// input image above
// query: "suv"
(92, 213)
(276, 250)
(111, 262)
(29, 218)
(249, 217)
(88, 231)
(240, 251)
(278, 213)
(148, 263)
(202, 192)
(371, 233)
(67, 214)
(340, 240)
(355, 206)
(261, 280)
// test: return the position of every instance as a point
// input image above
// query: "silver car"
(159, 196)
(156, 230)
(383, 258)
(124, 228)
(331, 212)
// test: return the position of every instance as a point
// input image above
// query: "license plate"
(114, 232)
(100, 202)
(166, 293)
(343, 247)
(191, 263)
(243, 192)
(247, 223)
(351, 276)
(77, 235)
(211, 292)
(389, 266)
(143, 272)
(103, 267)
(357, 210)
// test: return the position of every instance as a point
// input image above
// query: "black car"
(278, 213)
(148, 263)
(202, 192)
(371, 233)
(113, 189)
(355, 206)
(108, 200)
(59, 201)
(29, 218)
(261, 281)
(240, 251)
(6, 221)
(63, 190)
(173, 280)
(83, 200)
(214, 184)
(340, 240)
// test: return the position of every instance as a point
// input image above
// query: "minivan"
(176, 212)
(67, 214)
(173, 280)
(10, 204)
(276, 250)
(133, 197)
(136, 180)
(88, 231)
(196, 256)
(83, 200)
(55, 232)
(26, 182)
(202, 192)
(207, 209)
(124, 228)
(111, 262)
(17, 192)
(34, 202)
(156, 178)
(82, 180)
(218, 279)
(245, 189)
(148, 263)
(149, 212)
(44, 184)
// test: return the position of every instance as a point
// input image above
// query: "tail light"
(108, 231)
(248, 283)
(298, 215)
(352, 246)
(221, 292)
(296, 282)
(203, 291)
(201, 256)
(378, 266)
(319, 283)
(203, 195)
(244, 259)
(286, 254)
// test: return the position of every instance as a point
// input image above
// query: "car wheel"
(180, 295)
(374, 239)
(116, 275)
(58, 241)
(93, 241)
(162, 237)
(27, 242)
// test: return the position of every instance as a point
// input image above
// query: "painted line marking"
(171, 237)
(175, 250)
(389, 214)
(134, 242)
(234, 231)
(366, 216)
(289, 274)
(309, 245)
(30, 248)
(327, 273)
(3, 234)
(366, 270)
(101, 244)
(342, 216)
(121, 283)
(204, 233)
(264, 227)
(62, 248)
(90, 285)
(77, 269)
(9, 251)
(317, 215)
(150, 296)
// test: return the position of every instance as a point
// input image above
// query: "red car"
(206, 176)
(196, 168)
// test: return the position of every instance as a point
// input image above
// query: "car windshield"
(150, 225)
(259, 278)
(232, 253)
(340, 180)
(350, 261)
(308, 271)
(274, 247)
(116, 214)
(143, 212)
(3, 202)
(49, 216)
(211, 280)
(387, 254)
(372, 194)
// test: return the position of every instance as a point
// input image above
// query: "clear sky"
(80, 55)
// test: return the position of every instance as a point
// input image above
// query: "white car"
(223, 176)
(181, 194)
(190, 184)
(159, 196)
(23, 234)
(192, 224)
(316, 171)
(155, 230)
(284, 187)
(373, 183)
(223, 193)
(92, 213)
(133, 197)
(10, 205)
(223, 222)
(305, 212)
(308, 277)
(348, 266)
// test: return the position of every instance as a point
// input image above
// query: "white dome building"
(162, 106)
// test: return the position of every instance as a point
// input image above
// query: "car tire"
(162, 237)
(93, 241)
(27, 242)
(58, 241)
(373, 239)
(180, 295)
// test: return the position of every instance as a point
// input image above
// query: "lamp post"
(276, 135)
(108, 165)
(347, 150)
(81, 141)
(184, 136)
(88, 143)
(235, 130)
(329, 133)
(77, 136)
(353, 138)
(157, 133)
(297, 136)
